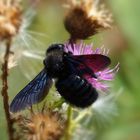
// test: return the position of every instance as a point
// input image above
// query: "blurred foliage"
(49, 20)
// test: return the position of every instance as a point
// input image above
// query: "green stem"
(81, 116)
(58, 103)
(68, 127)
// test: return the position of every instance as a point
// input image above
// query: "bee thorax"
(54, 65)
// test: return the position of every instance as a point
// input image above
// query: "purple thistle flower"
(103, 76)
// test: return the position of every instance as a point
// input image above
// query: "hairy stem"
(68, 127)
(4, 90)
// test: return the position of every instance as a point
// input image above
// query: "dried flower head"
(85, 18)
(40, 126)
(10, 18)
(103, 76)
(105, 109)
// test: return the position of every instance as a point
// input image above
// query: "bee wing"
(87, 64)
(96, 62)
(32, 93)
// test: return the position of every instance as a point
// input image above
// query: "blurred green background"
(124, 48)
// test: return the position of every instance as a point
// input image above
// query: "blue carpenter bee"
(69, 71)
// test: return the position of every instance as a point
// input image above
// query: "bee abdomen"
(77, 91)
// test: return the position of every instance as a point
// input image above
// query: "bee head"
(55, 47)
(54, 60)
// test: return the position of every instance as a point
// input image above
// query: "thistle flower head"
(85, 18)
(10, 18)
(40, 126)
(103, 76)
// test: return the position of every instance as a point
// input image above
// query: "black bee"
(69, 72)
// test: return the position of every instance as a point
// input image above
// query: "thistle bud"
(40, 126)
(86, 18)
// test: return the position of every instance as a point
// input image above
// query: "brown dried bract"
(46, 125)
(85, 18)
(10, 18)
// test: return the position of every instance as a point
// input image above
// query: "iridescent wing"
(32, 93)
(88, 64)
(96, 62)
